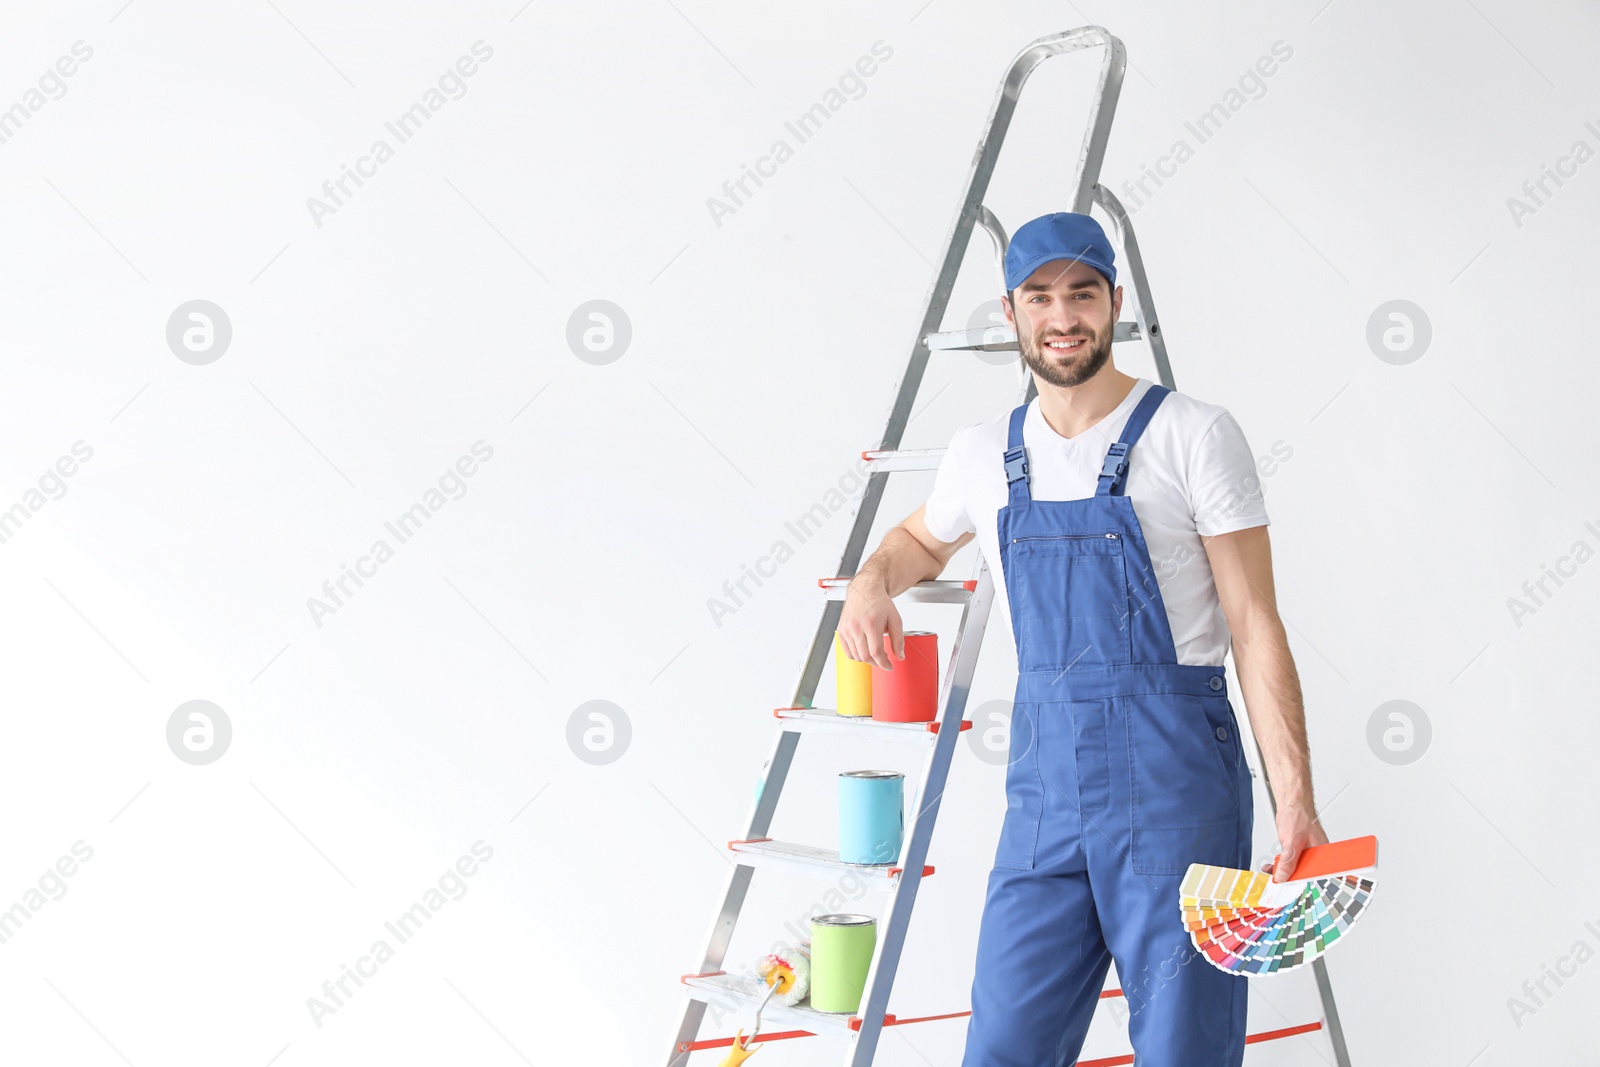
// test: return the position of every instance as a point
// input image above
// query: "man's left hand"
(1298, 829)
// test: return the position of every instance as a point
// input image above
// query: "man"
(1127, 524)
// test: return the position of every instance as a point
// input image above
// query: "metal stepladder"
(860, 1032)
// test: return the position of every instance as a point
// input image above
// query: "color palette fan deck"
(1245, 923)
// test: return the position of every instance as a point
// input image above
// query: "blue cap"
(1062, 235)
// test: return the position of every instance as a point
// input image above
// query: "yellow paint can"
(853, 681)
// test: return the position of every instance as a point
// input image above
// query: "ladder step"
(739, 993)
(828, 721)
(808, 859)
(911, 459)
(854, 1022)
(1004, 338)
(936, 592)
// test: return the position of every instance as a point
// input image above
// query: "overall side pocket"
(1183, 794)
(1019, 833)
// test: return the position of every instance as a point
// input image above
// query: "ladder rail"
(735, 886)
(1319, 966)
(997, 235)
(1330, 1012)
(925, 813)
(1144, 306)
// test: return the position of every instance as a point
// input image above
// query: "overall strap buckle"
(1016, 464)
(1116, 461)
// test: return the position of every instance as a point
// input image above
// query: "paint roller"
(787, 976)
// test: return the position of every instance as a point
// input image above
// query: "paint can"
(871, 816)
(909, 692)
(841, 955)
(853, 682)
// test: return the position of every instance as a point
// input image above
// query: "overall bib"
(1126, 766)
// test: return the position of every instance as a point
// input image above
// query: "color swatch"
(1245, 923)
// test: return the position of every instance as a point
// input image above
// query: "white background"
(432, 709)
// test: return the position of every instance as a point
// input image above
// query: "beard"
(1066, 372)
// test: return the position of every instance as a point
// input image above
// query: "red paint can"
(909, 692)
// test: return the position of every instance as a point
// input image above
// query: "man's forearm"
(1276, 708)
(898, 564)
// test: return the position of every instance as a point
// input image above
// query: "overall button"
(1222, 733)
(1216, 681)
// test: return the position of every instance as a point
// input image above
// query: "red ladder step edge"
(890, 1020)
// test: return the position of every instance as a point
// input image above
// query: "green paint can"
(841, 956)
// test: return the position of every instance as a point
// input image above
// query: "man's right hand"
(868, 614)
(909, 554)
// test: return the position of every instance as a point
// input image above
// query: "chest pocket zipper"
(1065, 537)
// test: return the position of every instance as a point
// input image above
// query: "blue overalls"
(1126, 766)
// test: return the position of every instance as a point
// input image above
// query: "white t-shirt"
(1190, 474)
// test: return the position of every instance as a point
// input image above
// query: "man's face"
(1064, 315)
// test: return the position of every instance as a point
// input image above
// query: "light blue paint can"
(871, 816)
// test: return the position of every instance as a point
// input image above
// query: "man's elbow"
(938, 553)
(930, 564)
(1255, 623)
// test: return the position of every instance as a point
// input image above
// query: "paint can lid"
(870, 774)
(843, 920)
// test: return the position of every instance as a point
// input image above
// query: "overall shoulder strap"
(1116, 464)
(1017, 458)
